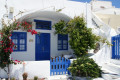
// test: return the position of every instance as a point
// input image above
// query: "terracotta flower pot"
(24, 78)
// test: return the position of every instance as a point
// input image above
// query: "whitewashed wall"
(33, 68)
(114, 11)
(96, 5)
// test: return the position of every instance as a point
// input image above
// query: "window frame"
(42, 21)
(62, 41)
(18, 39)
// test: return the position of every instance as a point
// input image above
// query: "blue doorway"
(42, 47)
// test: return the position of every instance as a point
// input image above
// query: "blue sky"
(115, 3)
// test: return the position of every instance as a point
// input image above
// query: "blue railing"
(116, 47)
(59, 65)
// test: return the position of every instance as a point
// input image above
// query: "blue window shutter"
(21, 38)
(62, 42)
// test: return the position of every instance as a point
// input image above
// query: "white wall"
(114, 11)
(33, 68)
(96, 5)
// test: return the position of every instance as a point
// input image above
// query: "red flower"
(29, 30)
(18, 23)
(34, 32)
(10, 34)
(1, 41)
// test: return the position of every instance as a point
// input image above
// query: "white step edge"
(115, 61)
(112, 67)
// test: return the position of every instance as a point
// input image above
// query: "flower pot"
(24, 78)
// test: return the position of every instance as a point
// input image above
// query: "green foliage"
(35, 77)
(81, 37)
(85, 67)
(59, 27)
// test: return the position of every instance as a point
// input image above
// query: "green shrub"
(85, 67)
(35, 77)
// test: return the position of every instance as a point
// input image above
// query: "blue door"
(42, 46)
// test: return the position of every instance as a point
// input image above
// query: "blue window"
(62, 42)
(40, 24)
(20, 41)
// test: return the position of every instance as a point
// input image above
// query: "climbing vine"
(6, 44)
(81, 38)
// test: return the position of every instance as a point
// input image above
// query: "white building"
(99, 15)
(45, 12)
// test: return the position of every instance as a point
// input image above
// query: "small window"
(45, 25)
(20, 41)
(62, 42)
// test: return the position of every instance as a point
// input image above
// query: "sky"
(115, 3)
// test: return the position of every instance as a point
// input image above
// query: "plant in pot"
(35, 77)
(25, 75)
(84, 68)
(13, 78)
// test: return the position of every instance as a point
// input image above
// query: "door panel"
(43, 46)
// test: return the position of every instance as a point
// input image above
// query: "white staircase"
(111, 71)
(111, 68)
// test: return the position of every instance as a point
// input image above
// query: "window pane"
(65, 42)
(64, 46)
(15, 41)
(14, 36)
(22, 35)
(59, 41)
(22, 47)
(59, 37)
(15, 47)
(43, 24)
(59, 46)
(22, 41)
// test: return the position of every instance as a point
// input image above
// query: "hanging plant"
(6, 44)
(25, 26)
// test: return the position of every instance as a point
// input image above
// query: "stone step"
(112, 67)
(115, 61)
(67, 77)
(60, 77)
(109, 75)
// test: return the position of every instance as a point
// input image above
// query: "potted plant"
(35, 77)
(25, 75)
(84, 68)
(13, 78)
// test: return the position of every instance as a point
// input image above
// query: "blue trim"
(63, 37)
(43, 23)
(18, 40)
